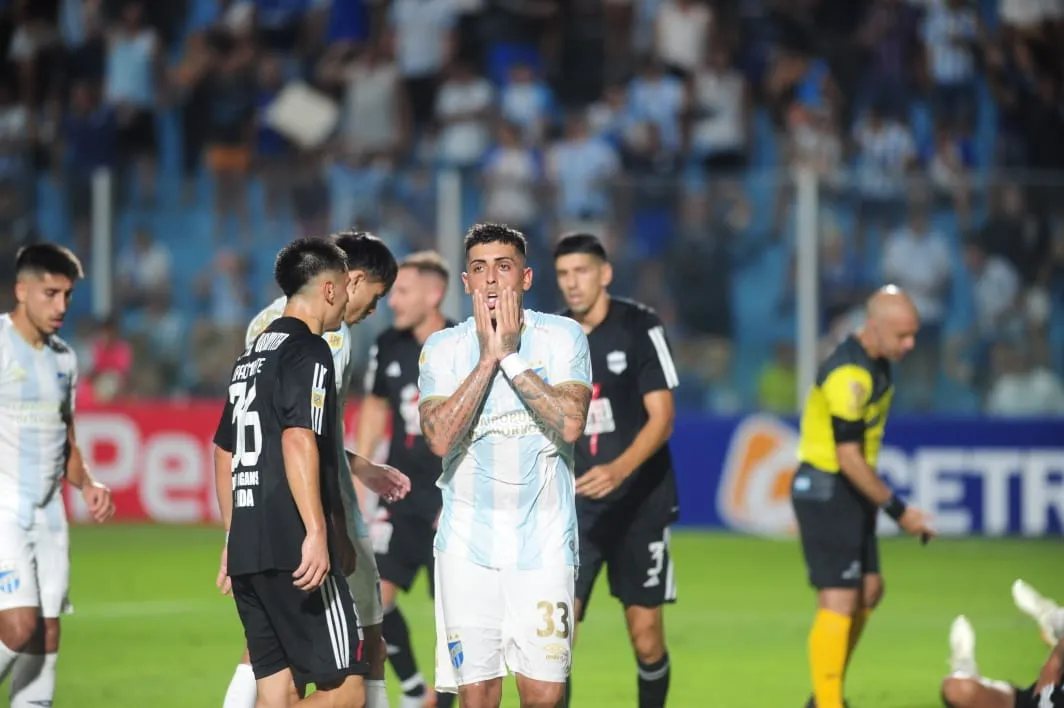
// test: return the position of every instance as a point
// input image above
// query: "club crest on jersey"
(617, 362)
(9, 577)
(454, 647)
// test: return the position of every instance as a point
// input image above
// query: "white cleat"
(1041, 609)
(962, 647)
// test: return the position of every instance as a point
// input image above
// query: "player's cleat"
(1039, 608)
(811, 703)
(962, 647)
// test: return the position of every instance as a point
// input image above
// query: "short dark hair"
(481, 234)
(305, 259)
(367, 253)
(580, 243)
(48, 259)
(427, 262)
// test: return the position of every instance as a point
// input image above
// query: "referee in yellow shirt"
(836, 491)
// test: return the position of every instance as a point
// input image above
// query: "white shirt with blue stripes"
(509, 498)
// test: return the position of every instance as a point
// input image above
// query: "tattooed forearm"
(445, 422)
(562, 408)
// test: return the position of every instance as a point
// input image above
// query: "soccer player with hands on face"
(504, 397)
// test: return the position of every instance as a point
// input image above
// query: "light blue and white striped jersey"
(339, 343)
(509, 496)
(36, 402)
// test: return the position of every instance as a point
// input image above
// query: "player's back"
(508, 488)
(283, 379)
(851, 388)
(36, 401)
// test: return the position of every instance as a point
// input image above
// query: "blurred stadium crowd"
(669, 127)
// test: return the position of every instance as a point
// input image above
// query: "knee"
(647, 638)
(544, 695)
(872, 593)
(18, 627)
(958, 692)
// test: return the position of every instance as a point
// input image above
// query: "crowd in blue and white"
(668, 127)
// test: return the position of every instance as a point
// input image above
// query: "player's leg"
(1043, 610)
(274, 684)
(365, 586)
(872, 589)
(33, 675)
(19, 593)
(832, 532)
(469, 632)
(241, 692)
(642, 577)
(964, 687)
(435, 699)
(399, 552)
(591, 560)
(539, 632)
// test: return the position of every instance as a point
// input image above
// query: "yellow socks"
(859, 621)
(829, 641)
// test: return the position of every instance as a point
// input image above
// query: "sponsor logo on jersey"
(754, 493)
(617, 362)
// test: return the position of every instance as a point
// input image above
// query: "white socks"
(7, 658)
(33, 680)
(376, 694)
(242, 689)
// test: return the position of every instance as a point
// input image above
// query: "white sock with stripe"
(376, 693)
(33, 680)
(242, 691)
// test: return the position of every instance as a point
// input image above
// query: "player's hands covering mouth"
(503, 337)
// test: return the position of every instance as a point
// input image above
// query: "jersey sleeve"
(304, 384)
(223, 436)
(70, 401)
(655, 367)
(573, 362)
(847, 390)
(436, 374)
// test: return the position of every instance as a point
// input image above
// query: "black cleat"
(811, 703)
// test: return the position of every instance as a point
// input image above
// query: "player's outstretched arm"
(445, 421)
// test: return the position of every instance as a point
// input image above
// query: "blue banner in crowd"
(976, 477)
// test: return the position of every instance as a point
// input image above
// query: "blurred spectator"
(843, 284)
(422, 34)
(889, 35)
(1021, 387)
(720, 109)
(527, 101)
(608, 117)
(132, 88)
(951, 36)
(949, 158)
(660, 99)
(15, 137)
(143, 271)
(1017, 234)
(580, 167)
(885, 154)
(36, 50)
(223, 291)
(158, 331)
(230, 104)
(777, 383)
(510, 175)
(271, 150)
(682, 35)
(189, 81)
(108, 366)
(464, 108)
(88, 143)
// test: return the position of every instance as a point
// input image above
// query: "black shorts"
(403, 547)
(1049, 697)
(837, 528)
(314, 634)
(637, 558)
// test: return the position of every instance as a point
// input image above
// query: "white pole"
(807, 284)
(102, 243)
(449, 237)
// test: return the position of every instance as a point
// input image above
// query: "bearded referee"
(836, 491)
(625, 483)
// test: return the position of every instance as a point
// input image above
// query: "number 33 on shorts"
(555, 633)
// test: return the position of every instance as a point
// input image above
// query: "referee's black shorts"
(314, 634)
(837, 527)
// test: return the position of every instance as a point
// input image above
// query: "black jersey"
(630, 357)
(283, 380)
(392, 375)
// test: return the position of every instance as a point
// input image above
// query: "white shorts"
(365, 583)
(490, 620)
(35, 563)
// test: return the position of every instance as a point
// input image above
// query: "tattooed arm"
(562, 408)
(445, 421)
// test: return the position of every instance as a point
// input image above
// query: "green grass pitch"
(149, 628)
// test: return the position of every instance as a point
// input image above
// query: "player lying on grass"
(966, 688)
